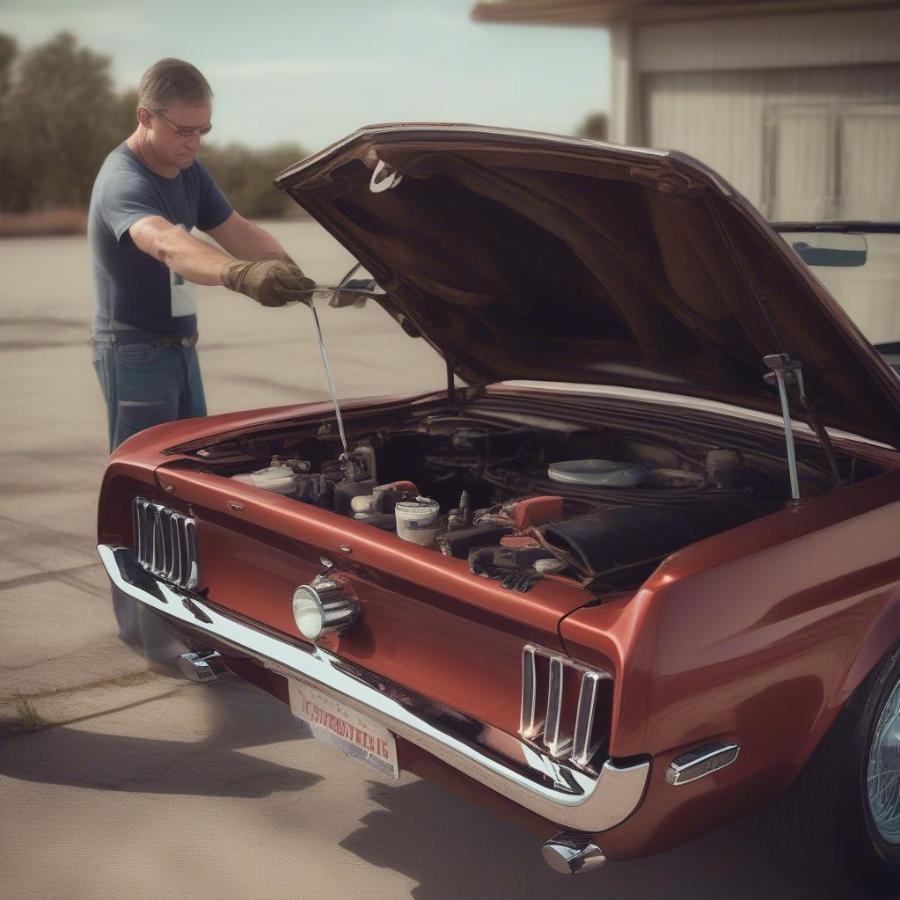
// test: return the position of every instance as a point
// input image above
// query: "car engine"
(521, 502)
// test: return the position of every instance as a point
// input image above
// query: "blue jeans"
(146, 380)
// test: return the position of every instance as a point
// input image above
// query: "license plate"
(350, 731)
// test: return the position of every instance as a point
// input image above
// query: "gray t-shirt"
(132, 287)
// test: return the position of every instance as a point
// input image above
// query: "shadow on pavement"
(447, 846)
(234, 716)
(455, 850)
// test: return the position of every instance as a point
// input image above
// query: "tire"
(829, 824)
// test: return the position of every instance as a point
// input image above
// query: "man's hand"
(271, 282)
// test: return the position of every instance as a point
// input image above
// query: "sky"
(312, 71)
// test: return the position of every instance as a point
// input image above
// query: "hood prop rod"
(785, 371)
(360, 288)
(328, 377)
(451, 383)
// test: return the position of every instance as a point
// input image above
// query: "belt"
(145, 337)
(172, 341)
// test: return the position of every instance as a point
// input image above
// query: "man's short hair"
(173, 81)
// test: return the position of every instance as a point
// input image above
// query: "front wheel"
(840, 820)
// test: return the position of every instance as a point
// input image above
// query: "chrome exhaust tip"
(201, 667)
(571, 853)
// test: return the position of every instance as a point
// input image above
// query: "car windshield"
(859, 263)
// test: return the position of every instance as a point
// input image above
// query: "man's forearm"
(271, 281)
(192, 258)
(257, 243)
(246, 240)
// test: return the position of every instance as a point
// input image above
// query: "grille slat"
(583, 747)
(136, 525)
(529, 725)
(141, 541)
(172, 569)
(181, 544)
(157, 550)
(574, 726)
(193, 568)
(148, 517)
(165, 543)
(554, 736)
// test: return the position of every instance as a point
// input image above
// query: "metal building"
(797, 103)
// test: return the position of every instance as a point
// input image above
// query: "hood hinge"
(786, 372)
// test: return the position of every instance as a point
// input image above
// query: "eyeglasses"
(184, 131)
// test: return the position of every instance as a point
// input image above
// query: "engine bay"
(521, 501)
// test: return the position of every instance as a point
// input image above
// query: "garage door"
(803, 143)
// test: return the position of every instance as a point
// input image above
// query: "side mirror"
(828, 248)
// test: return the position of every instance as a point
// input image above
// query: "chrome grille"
(562, 707)
(165, 543)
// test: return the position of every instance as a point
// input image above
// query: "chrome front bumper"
(560, 793)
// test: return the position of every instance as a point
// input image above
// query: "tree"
(245, 177)
(60, 125)
(8, 53)
(59, 117)
(123, 117)
(595, 126)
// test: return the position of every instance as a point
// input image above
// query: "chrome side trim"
(701, 761)
(534, 780)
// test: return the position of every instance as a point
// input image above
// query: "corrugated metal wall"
(726, 120)
(823, 38)
(869, 294)
(800, 112)
(868, 176)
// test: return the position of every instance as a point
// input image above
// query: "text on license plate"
(352, 732)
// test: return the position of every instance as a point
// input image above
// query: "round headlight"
(323, 606)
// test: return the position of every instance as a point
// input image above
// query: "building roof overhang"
(606, 12)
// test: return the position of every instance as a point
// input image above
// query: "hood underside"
(524, 256)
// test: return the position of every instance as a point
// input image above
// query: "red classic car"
(635, 572)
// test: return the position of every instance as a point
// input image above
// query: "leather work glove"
(271, 282)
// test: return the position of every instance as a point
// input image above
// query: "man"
(149, 194)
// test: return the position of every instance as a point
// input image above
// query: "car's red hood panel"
(527, 256)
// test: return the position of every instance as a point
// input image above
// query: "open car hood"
(529, 256)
